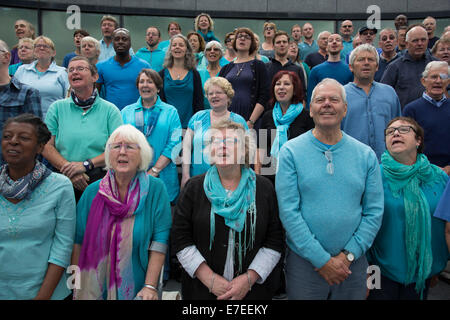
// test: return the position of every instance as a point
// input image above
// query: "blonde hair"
(197, 19)
(47, 40)
(132, 135)
(223, 83)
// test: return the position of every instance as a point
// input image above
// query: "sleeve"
(173, 144)
(115, 119)
(51, 118)
(264, 262)
(311, 85)
(33, 103)
(443, 207)
(197, 103)
(64, 81)
(372, 210)
(162, 212)
(190, 259)
(182, 227)
(409, 111)
(83, 207)
(100, 73)
(390, 75)
(61, 248)
(263, 85)
(300, 238)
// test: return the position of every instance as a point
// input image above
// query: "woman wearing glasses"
(123, 224)
(80, 126)
(160, 124)
(410, 247)
(266, 48)
(44, 75)
(248, 77)
(226, 231)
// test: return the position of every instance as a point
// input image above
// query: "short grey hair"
(320, 34)
(92, 40)
(4, 46)
(435, 65)
(132, 135)
(409, 32)
(330, 81)
(215, 43)
(364, 47)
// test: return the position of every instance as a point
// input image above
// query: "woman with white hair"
(123, 224)
(90, 48)
(182, 85)
(211, 64)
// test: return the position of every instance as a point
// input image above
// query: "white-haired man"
(325, 176)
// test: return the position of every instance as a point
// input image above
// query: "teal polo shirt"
(82, 135)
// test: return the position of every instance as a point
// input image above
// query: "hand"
(334, 271)
(446, 170)
(220, 286)
(148, 294)
(70, 169)
(152, 173)
(80, 181)
(239, 289)
(184, 179)
(250, 124)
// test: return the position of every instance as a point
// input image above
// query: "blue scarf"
(282, 122)
(146, 127)
(233, 207)
(406, 180)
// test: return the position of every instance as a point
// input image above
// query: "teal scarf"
(233, 207)
(406, 180)
(282, 122)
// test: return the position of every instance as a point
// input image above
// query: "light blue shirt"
(34, 233)
(200, 123)
(165, 139)
(164, 44)
(119, 81)
(325, 213)
(368, 115)
(107, 52)
(53, 84)
(155, 58)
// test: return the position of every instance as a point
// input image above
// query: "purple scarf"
(105, 258)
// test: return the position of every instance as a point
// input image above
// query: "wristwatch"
(88, 165)
(350, 256)
(156, 171)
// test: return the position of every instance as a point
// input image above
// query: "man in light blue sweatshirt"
(330, 199)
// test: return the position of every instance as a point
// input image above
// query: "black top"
(300, 125)
(315, 58)
(191, 227)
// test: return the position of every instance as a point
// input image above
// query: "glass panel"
(8, 17)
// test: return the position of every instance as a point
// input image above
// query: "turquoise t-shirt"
(155, 57)
(82, 135)
(34, 233)
(200, 123)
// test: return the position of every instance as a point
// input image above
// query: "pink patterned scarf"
(106, 252)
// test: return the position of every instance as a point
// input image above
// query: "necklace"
(240, 69)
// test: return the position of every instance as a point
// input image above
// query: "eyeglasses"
(269, 28)
(78, 69)
(226, 141)
(368, 33)
(347, 26)
(402, 130)
(212, 49)
(330, 166)
(244, 36)
(128, 146)
(42, 46)
(436, 77)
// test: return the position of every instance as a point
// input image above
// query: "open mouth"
(395, 142)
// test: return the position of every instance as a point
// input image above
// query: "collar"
(32, 66)
(434, 102)
(138, 105)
